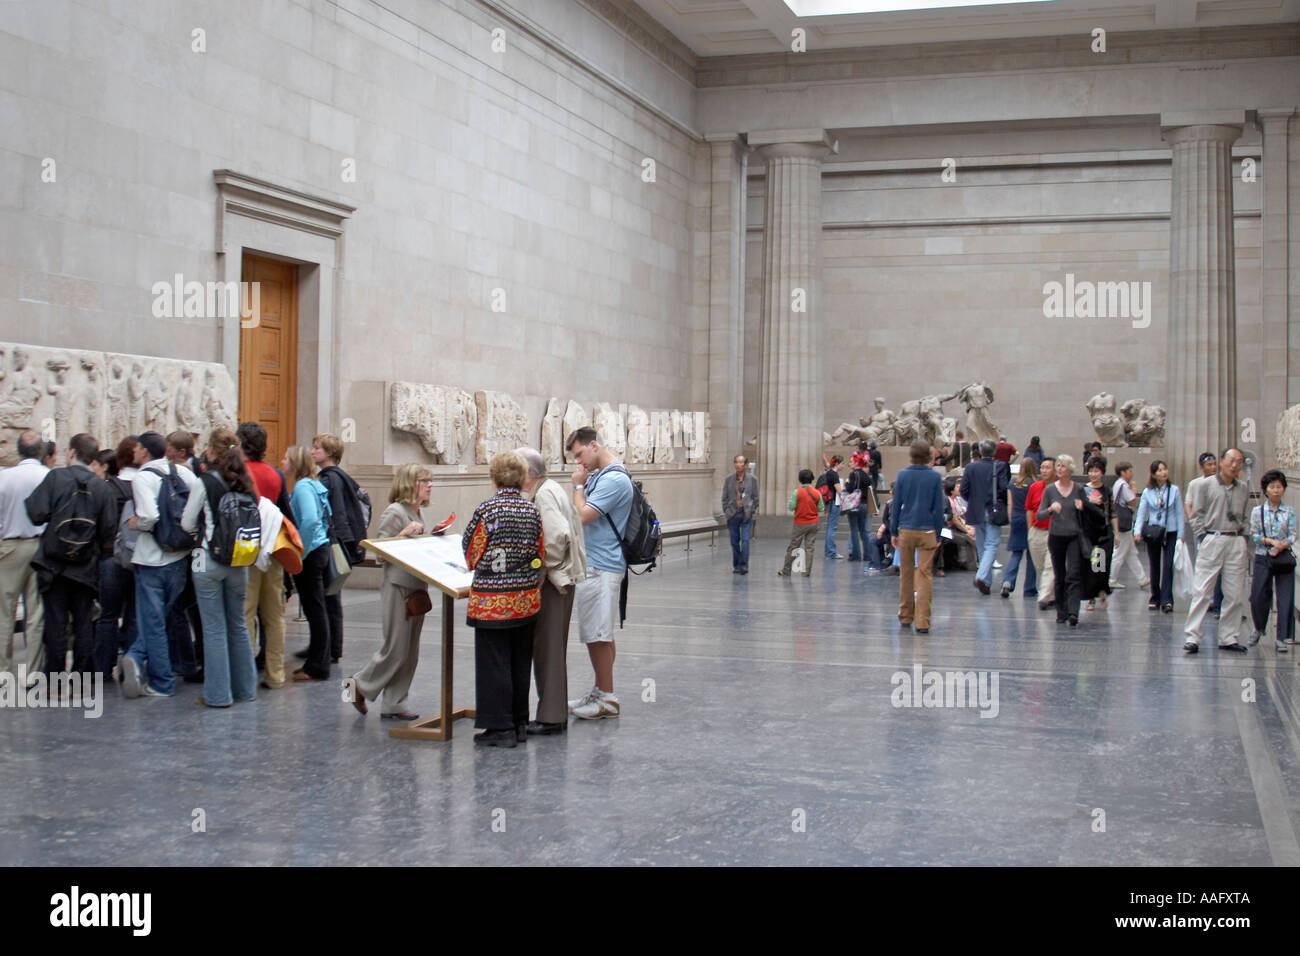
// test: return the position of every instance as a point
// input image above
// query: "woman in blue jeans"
(1018, 541)
(1161, 507)
(229, 673)
(859, 528)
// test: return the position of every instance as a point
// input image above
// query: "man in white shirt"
(19, 539)
(159, 574)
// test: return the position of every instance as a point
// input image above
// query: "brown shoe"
(400, 715)
(302, 675)
(358, 701)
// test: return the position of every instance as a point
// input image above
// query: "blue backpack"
(173, 495)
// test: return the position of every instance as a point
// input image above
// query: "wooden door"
(268, 354)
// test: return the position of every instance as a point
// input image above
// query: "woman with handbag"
(1273, 531)
(1018, 540)
(1099, 532)
(854, 504)
(1160, 525)
(1063, 502)
(309, 500)
(1123, 494)
(504, 548)
(403, 602)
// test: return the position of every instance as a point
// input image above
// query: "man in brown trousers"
(565, 566)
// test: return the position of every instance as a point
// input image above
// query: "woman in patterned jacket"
(504, 548)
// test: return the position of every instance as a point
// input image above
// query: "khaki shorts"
(595, 603)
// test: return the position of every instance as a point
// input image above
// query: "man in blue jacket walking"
(915, 521)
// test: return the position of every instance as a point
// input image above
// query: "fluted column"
(1202, 342)
(791, 408)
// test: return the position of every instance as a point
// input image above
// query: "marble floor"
(758, 727)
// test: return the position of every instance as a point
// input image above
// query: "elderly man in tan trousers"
(19, 539)
(565, 565)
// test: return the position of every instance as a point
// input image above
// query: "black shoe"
(852, 558)
(521, 733)
(335, 660)
(1168, 609)
(744, 570)
(539, 729)
(496, 738)
(301, 655)
(1060, 620)
(195, 678)
(982, 587)
(735, 570)
(923, 630)
(1192, 648)
(1073, 621)
(1006, 590)
(1215, 611)
(1234, 646)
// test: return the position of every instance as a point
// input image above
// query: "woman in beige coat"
(392, 668)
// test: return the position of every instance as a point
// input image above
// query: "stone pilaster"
(791, 407)
(728, 161)
(1274, 367)
(1202, 341)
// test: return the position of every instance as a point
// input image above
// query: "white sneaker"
(1116, 586)
(150, 692)
(598, 706)
(576, 702)
(130, 677)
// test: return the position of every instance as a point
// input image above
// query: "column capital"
(1275, 116)
(808, 143)
(1202, 125)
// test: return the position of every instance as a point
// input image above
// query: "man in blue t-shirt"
(602, 493)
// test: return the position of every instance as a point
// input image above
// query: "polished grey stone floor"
(771, 738)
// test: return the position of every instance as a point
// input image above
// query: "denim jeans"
(740, 530)
(987, 537)
(116, 602)
(1013, 568)
(156, 591)
(832, 523)
(859, 530)
(228, 668)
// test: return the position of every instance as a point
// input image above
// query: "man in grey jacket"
(739, 504)
(565, 565)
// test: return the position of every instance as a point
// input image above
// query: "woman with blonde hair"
(403, 602)
(309, 501)
(1063, 504)
(503, 546)
(1018, 542)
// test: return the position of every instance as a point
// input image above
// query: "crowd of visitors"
(1071, 532)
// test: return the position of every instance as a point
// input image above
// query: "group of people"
(133, 529)
(1072, 536)
(179, 553)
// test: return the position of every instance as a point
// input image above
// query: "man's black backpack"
(73, 528)
(640, 538)
(173, 495)
(237, 524)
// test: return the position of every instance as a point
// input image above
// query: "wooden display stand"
(438, 727)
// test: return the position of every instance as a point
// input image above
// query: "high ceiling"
(731, 27)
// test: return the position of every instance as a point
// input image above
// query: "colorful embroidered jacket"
(504, 548)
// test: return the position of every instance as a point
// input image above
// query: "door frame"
(278, 222)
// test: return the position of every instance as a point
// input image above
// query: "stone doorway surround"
(279, 222)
